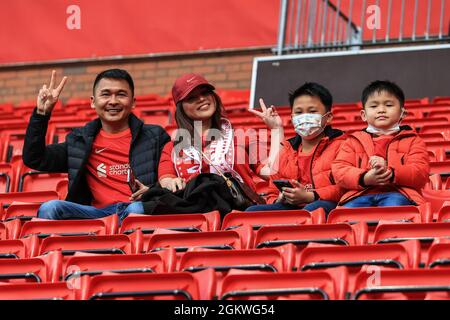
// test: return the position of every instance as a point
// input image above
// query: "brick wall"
(226, 70)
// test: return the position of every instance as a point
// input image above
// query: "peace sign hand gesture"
(48, 96)
(268, 115)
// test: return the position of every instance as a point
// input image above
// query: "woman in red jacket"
(305, 160)
(385, 164)
(205, 142)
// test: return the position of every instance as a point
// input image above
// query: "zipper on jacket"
(311, 166)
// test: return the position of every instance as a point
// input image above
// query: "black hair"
(380, 86)
(314, 90)
(114, 74)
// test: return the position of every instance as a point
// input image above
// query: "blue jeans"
(66, 210)
(326, 205)
(379, 200)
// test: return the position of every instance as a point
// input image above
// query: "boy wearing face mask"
(385, 164)
(305, 160)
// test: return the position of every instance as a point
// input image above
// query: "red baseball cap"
(186, 83)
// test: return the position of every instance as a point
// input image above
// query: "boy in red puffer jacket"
(385, 164)
(305, 160)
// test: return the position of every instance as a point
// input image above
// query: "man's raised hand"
(48, 96)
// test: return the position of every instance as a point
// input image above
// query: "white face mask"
(308, 125)
(391, 130)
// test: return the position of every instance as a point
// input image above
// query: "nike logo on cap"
(189, 80)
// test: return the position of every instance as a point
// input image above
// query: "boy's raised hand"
(268, 115)
(48, 96)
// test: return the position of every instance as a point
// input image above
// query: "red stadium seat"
(223, 260)
(37, 291)
(373, 215)
(177, 222)
(6, 176)
(32, 197)
(182, 241)
(257, 219)
(431, 137)
(19, 249)
(314, 285)
(439, 254)
(39, 269)
(344, 234)
(404, 255)
(90, 227)
(9, 230)
(402, 284)
(443, 129)
(184, 286)
(424, 232)
(40, 181)
(114, 244)
(436, 198)
(22, 211)
(82, 264)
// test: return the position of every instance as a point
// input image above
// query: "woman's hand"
(268, 115)
(173, 184)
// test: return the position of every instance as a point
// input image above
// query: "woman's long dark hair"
(184, 122)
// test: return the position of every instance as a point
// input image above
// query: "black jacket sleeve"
(38, 156)
(163, 139)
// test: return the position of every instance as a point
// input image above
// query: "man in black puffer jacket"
(99, 157)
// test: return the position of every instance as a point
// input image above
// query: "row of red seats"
(243, 230)
(327, 272)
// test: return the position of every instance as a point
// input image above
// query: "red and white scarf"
(219, 151)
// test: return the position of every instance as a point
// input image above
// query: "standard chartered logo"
(114, 170)
(101, 170)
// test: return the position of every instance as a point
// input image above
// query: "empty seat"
(436, 198)
(32, 197)
(178, 222)
(40, 181)
(166, 286)
(37, 291)
(272, 260)
(22, 211)
(426, 233)
(402, 284)
(92, 264)
(113, 244)
(44, 228)
(39, 269)
(314, 285)
(257, 219)
(6, 176)
(9, 230)
(439, 254)
(344, 234)
(395, 255)
(19, 249)
(444, 213)
(182, 241)
(372, 215)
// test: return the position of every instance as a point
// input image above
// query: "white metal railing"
(325, 24)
